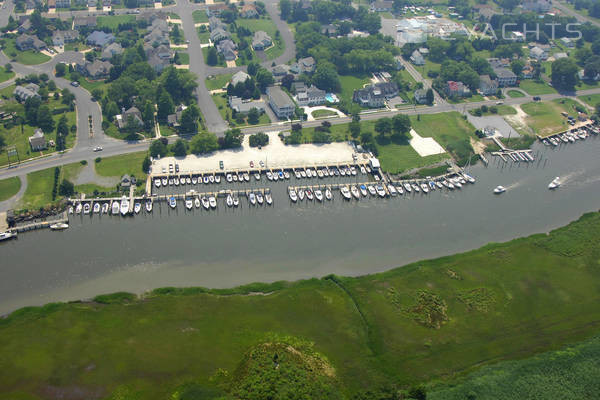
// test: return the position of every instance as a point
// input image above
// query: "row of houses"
(219, 35)
(305, 65)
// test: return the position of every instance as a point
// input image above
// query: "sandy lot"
(274, 155)
(425, 146)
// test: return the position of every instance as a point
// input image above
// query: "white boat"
(297, 173)
(281, 175)
(59, 226)
(303, 174)
(257, 176)
(363, 190)
(137, 207)
(363, 170)
(342, 171)
(197, 203)
(115, 207)
(217, 178)
(252, 198)
(269, 175)
(96, 208)
(468, 178)
(328, 194)
(318, 195)
(309, 194)
(87, 208)
(246, 177)
(105, 207)
(499, 189)
(229, 178)
(439, 184)
(165, 181)
(189, 204)
(325, 172)
(416, 188)
(236, 201)
(392, 190)
(148, 205)
(194, 180)
(211, 179)
(355, 192)
(368, 169)
(456, 183)
(124, 205)
(320, 174)
(205, 203)
(7, 235)
(407, 187)
(170, 181)
(268, 198)
(293, 195)
(78, 208)
(235, 178)
(372, 190)
(377, 178)
(176, 181)
(212, 201)
(188, 180)
(205, 180)
(353, 171)
(259, 198)
(346, 192)
(172, 202)
(229, 200)
(380, 190)
(424, 188)
(301, 194)
(399, 189)
(275, 176)
(71, 210)
(157, 182)
(554, 184)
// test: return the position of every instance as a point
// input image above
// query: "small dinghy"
(137, 207)
(59, 226)
(554, 184)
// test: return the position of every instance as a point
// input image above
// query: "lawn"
(184, 58)
(515, 93)
(502, 110)
(221, 62)
(445, 128)
(124, 164)
(203, 36)
(397, 158)
(5, 75)
(199, 16)
(89, 85)
(349, 84)
(218, 81)
(323, 113)
(536, 88)
(591, 99)
(39, 189)
(545, 118)
(166, 130)
(267, 25)
(432, 320)
(29, 57)
(9, 187)
(113, 21)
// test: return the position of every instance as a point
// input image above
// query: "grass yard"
(124, 164)
(545, 118)
(591, 99)
(267, 25)
(9, 187)
(89, 85)
(407, 77)
(166, 130)
(350, 83)
(5, 75)
(502, 110)
(113, 21)
(431, 320)
(226, 113)
(221, 62)
(203, 36)
(323, 113)
(199, 16)
(397, 158)
(515, 94)
(445, 128)
(77, 46)
(218, 81)
(29, 57)
(39, 189)
(536, 88)
(184, 58)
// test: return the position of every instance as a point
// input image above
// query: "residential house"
(538, 53)
(84, 22)
(280, 102)
(537, 6)
(218, 35)
(157, 36)
(499, 62)
(94, 70)
(239, 77)
(307, 65)
(111, 50)
(309, 96)
(381, 6)
(25, 26)
(92, 3)
(159, 57)
(214, 10)
(59, 38)
(421, 96)
(567, 42)
(375, 95)
(417, 58)
(456, 89)
(100, 39)
(228, 49)
(63, 3)
(558, 56)
(249, 11)
(133, 113)
(505, 77)
(51, 4)
(38, 141)
(214, 23)
(329, 30)
(517, 36)
(487, 85)
(29, 42)
(23, 93)
(527, 72)
(127, 182)
(281, 70)
(261, 40)
(174, 119)
(244, 106)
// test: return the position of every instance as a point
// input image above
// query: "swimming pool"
(331, 98)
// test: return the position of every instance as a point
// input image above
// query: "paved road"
(426, 82)
(7, 8)
(567, 11)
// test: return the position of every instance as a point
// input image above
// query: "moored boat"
(346, 192)
(137, 207)
(189, 204)
(86, 208)
(318, 195)
(246, 177)
(293, 195)
(157, 182)
(252, 198)
(176, 181)
(217, 178)
(355, 192)
(124, 205)
(229, 200)
(424, 188)
(236, 201)
(372, 190)
(165, 181)
(212, 201)
(393, 191)
(205, 203)
(115, 207)
(78, 208)
(7, 235)
(96, 208)
(380, 190)
(59, 226)
(197, 203)
(105, 208)
(300, 194)
(259, 198)
(149, 205)
(363, 190)
(257, 176)
(211, 179)
(328, 194)
(172, 202)
(188, 180)
(554, 184)
(194, 180)
(268, 198)
(407, 187)
(499, 189)
(228, 178)
(309, 194)
(399, 189)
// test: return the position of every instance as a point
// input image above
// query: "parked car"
(176, 167)
(537, 98)
(75, 84)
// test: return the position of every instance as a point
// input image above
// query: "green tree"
(44, 119)
(326, 77)
(429, 96)
(212, 58)
(258, 139)
(564, 74)
(66, 188)
(148, 115)
(97, 94)
(146, 164)
(264, 78)
(62, 131)
(204, 142)
(232, 139)
(158, 148)
(253, 116)
(60, 69)
(354, 128)
(400, 126)
(179, 148)
(189, 120)
(111, 110)
(383, 126)
(165, 105)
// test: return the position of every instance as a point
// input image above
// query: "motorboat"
(353, 171)
(456, 183)
(297, 173)
(170, 181)
(236, 201)
(355, 192)
(363, 190)
(313, 172)
(336, 171)
(137, 207)
(257, 176)
(59, 226)
(212, 201)
(368, 169)
(309, 194)
(87, 208)
(342, 171)
(157, 182)
(499, 190)
(293, 195)
(229, 200)
(240, 177)
(431, 185)
(251, 164)
(328, 194)
(269, 175)
(346, 192)
(281, 175)
(252, 198)
(275, 176)
(259, 198)
(165, 181)
(372, 190)
(546, 143)
(217, 178)
(424, 188)
(393, 191)
(182, 180)
(189, 204)
(71, 210)
(205, 180)
(188, 180)
(407, 187)
(105, 207)
(124, 205)
(554, 184)
(149, 205)
(194, 180)
(303, 174)
(320, 174)
(318, 195)
(78, 208)
(96, 208)
(468, 178)
(261, 163)
(380, 190)
(400, 190)
(463, 181)
(205, 203)
(176, 181)
(7, 235)
(228, 178)
(115, 207)
(439, 185)
(377, 178)
(268, 198)
(211, 179)
(197, 203)
(235, 178)
(246, 177)
(301, 194)
(172, 202)
(362, 169)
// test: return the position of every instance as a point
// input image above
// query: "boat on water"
(424, 188)
(235, 178)
(456, 183)
(293, 195)
(372, 190)
(269, 175)
(96, 208)
(281, 175)
(105, 207)
(303, 174)
(363, 170)
(499, 189)
(148, 205)
(346, 192)
(328, 194)
(172, 202)
(157, 182)
(320, 173)
(115, 207)
(124, 205)
(376, 176)
(393, 191)
(363, 190)
(407, 187)
(252, 198)
(468, 178)
(259, 198)
(71, 210)
(86, 208)
(336, 171)
(78, 208)
(205, 203)
(555, 183)
(137, 207)
(176, 181)
(301, 194)
(353, 171)
(431, 185)
(399, 189)
(59, 226)
(380, 190)
(188, 180)
(205, 180)
(342, 171)
(165, 181)
(325, 172)
(355, 192)
(275, 176)
(189, 204)
(217, 178)
(297, 174)
(268, 198)
(229, 178)
(257, 176)
(438, 184)
(416, 187)
(309, 194)
(7, 235)
(211, 179)
(229, 200)
(212, 201)
(197, 203)
(236, 201)
(170, 181)
(246, 177)
(194, 180)
(368, 169)
(318, 195)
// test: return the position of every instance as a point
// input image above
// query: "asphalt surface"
(567, 11)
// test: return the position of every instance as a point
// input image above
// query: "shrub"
(98, 159)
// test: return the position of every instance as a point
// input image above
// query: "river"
(287, 241)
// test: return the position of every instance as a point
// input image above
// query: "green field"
(199, 16)
(29, 57)
(350, 84)
(323, 113)
(184, 58)
(39, 189)
(5, 75)
(431, 320)
(544, 118)
(218, 81)
(124, 164)
(591, 99)
(267, 25)
(9, 187)
(502, 110)
(397, 158)
(536, 88)
(203, 36)
(112, 21)
(515, 93)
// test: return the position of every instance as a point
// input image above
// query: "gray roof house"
(28, 42)
(123, 118)
(487, 85)
(505, 77)
(309, 96)
(417, 58)
(421, 96)
(214, 23)
(219, 34)
(375, 95)
(89, 22)
(239, 77)
(280, 70)
(261, 40)
(23, 93)
(38, 140)
(94, 70)
(307, 64)
(227, 48)
(244, 107)
(280, 102)
(59, 38)
(100, 39)
(111, 50)
(159, 57)
(538, 53)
